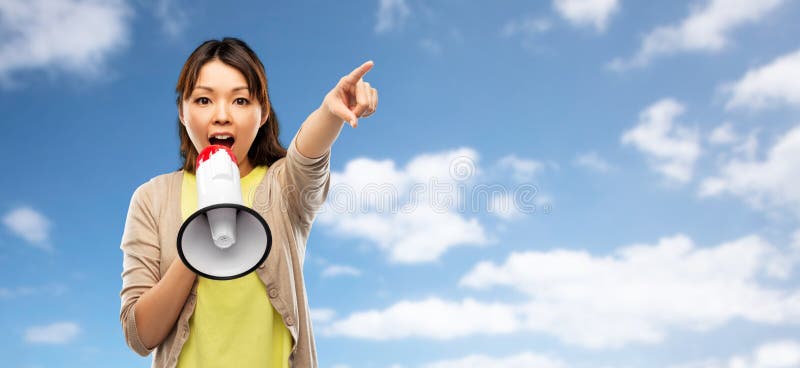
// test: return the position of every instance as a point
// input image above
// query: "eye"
(241, 101)
(202, 100)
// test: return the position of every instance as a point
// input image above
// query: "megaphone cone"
(224, 239)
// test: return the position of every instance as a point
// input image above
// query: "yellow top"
(233, 324)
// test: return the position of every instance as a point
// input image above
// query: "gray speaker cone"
(198, 252)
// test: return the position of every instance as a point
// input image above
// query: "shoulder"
(158, 186)
(275, 169)
(161, 182)
(278, 163)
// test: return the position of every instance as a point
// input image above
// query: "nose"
(221, 114)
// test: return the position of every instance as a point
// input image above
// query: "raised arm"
(307, 169)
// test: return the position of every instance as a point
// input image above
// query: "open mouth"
(227, 142)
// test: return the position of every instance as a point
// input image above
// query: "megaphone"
(224, 239)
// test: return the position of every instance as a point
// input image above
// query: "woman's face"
(220, 106)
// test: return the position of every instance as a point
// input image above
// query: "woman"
(261, 319)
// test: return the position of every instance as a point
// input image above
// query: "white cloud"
(723, 134)
(322, 315)
(773, 354)
(340, 270)
(505, 207)
(592, 161)
(172, 16)
(66, 35)
(30, 225)
(783, 354)
(769, 85)
(730, 144)
(771, 183)
(521, 360)
(594, 13)
(417, 212)
(456, 165)
(641, 292)
(707, 29)
(705, 363)
(637, 294)
(421, 235)
(392, 14)
(672, 149)
(56, 333)
(431, 318)
(522, 169)
(748, 146)
(411, 213)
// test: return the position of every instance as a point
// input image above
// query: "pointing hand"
(352, 97)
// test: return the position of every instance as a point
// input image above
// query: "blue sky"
(660, 140)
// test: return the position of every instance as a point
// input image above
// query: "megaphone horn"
(224, 239)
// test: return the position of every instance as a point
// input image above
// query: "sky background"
(621, 182)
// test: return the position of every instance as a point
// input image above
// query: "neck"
(245, 168)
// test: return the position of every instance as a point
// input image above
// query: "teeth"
(221, 136)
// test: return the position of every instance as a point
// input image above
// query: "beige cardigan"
(292, 191)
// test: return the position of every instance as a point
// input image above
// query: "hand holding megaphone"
(223, 239)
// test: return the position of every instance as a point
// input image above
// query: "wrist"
(180, 267)
(327, 116)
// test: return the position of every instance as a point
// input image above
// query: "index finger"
(359, 72)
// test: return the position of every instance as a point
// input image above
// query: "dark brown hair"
(266, 149)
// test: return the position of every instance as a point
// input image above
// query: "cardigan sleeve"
(140, 264)
(307, 181)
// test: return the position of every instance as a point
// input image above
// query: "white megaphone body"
(223, 239)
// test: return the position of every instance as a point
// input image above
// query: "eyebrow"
(212, 90)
